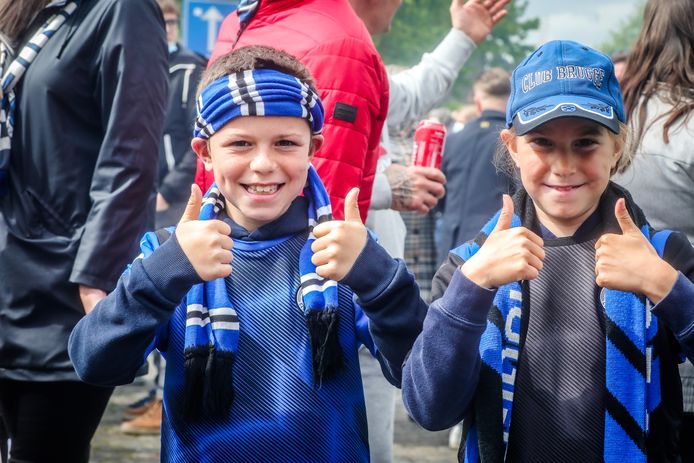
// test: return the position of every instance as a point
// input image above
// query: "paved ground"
(412, 443)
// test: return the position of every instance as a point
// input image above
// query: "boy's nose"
(262, 161)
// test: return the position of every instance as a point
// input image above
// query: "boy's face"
(565, 167)
(260, 164)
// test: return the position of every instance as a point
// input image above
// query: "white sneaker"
(455, 434)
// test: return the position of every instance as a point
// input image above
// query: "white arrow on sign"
(212, 17)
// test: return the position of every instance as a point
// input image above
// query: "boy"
(262, 360)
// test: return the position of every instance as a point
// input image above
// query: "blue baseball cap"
(564, 79)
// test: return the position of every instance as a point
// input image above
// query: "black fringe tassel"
(219, 390)
(194, 363)
(325, 344)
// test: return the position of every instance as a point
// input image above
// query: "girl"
(559, 332)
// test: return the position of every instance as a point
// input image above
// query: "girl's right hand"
(508, 254)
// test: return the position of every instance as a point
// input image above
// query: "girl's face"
(565, 166)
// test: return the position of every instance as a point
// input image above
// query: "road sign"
(201, 21)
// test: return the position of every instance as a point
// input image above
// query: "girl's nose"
(564, 163)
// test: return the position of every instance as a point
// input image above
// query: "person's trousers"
(51, 421)
(379, 396)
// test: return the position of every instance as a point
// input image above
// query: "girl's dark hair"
(254, 57)
(17, 15)
(662, 59)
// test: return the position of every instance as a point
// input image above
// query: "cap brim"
(540, 112)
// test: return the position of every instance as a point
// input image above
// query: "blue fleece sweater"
(277, 413)
(441, 374)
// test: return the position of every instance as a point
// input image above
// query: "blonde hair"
(504, 163)
(494, 82)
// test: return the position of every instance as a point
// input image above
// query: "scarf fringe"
(325, 344)
(195, 360)
(219, 390)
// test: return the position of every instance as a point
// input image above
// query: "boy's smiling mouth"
(262, 189)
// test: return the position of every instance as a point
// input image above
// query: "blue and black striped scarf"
(632, 376)
(12, 73)
(212, 326)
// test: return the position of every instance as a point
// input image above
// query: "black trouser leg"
(51, 421)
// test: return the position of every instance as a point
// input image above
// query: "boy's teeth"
(267, 189)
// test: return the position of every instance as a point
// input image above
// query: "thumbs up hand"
(628, 262)
(508, 254)
(206, 243)
(338, 244)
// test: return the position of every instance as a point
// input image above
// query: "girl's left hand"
(628, 262)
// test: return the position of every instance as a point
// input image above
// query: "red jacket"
(333, 43)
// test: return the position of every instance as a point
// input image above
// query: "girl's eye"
(541, 141)
(585, 142)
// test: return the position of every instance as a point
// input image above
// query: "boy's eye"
(286, 142)
(239, 143)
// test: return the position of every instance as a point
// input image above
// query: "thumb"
(623, 218)
(504, 222)
(194, 203)
(352, 206)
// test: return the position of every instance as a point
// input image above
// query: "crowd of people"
(299, 274)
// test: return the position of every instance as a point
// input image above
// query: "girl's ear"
(316, 143)
(201, 147)
(510, 140)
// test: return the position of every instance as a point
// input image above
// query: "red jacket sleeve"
(353, 85)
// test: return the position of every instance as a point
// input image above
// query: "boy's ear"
(316, 143)
(510, 140)
(202, 149)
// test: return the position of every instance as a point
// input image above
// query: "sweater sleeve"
(442, 371)
(389, 297)
(417, 90)
(676, 310)
(108, 346)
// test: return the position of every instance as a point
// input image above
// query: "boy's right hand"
(508, 254)
(206, 243)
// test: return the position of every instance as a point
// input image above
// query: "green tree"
(624, 37)
(419, 27)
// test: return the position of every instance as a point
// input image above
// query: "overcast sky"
(586, 21)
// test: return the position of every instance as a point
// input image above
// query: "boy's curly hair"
(254, 57)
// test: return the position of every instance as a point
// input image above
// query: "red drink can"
(428, 143)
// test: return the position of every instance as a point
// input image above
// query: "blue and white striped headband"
(261, 92)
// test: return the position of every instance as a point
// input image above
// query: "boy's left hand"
(338, 244)
(628, 262)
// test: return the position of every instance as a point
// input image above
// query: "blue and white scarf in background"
(13, 74)
(245, 11)
(212, 323)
